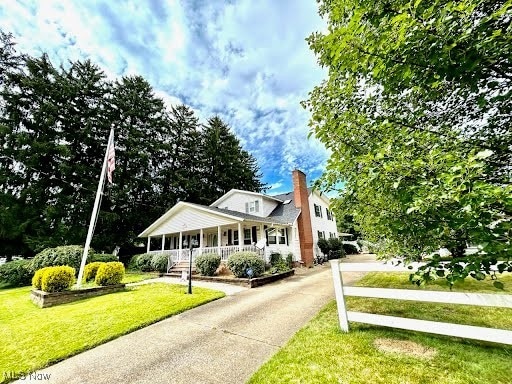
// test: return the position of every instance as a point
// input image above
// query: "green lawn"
(136, 276)
(32, 338)
(321, 353)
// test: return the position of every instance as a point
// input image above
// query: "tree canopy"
(54, 124)
(416, 111)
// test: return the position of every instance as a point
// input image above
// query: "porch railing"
(175, 255)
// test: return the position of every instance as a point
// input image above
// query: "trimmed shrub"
(131, 263)
(111, 273)
(70, 255)
(37, 278)
(277, 264)
(289, 260)
(143, 262)
(206, 265)
(16, 273)
(332, 248)
(275, 259)
(323, 244)
(240, 262)
(57, 279)
(350, 249)
(159, 262)
(336, 248)
(91, 269)
(105, 258)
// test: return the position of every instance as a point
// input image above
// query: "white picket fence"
(449, 329)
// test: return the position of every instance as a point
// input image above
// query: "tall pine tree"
(226, 164)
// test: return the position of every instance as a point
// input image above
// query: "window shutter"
(256, 206)
(246, 207)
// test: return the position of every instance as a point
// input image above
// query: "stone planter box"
(257, 281)
(252, 283)
(46, 299)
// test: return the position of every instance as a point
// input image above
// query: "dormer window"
(252, 206)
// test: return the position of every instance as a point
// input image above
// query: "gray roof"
(277, 219)
(285, 212)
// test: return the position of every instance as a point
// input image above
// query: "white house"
(243, 220)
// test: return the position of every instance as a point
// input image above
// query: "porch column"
(219, 233)
(180, 245)
(149, 242)
(262, 232)
(163, 242)
(201, 242)
(240, 236)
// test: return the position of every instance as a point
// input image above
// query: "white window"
(329, 214)
(252, 206)
(277, 236)
(282, 236)
(272, 239)
(318, 211)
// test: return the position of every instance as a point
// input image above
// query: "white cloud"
(245, 60)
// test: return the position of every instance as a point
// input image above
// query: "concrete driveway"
(224, 341)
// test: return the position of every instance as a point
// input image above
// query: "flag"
(111, 160)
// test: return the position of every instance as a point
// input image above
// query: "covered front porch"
(191, 229)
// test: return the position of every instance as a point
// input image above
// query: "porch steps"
(177, 269)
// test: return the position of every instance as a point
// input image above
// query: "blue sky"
(245, 60)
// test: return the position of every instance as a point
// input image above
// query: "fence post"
(340, 297)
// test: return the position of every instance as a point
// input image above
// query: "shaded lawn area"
(321, 353)
(33, 338)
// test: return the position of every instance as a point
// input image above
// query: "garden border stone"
(46, 299)
(252, 283)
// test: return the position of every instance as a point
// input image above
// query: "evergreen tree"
(140, 128)
(180, 173)
(54, 124)
(226, 164)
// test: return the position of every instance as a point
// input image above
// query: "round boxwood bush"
(111, 273)
(57, 279)
(16, 273)
(143, 262)
(159, 262)
(240, 262)
(70, 255)
(206, 265)
(91, 269)
(38, 277)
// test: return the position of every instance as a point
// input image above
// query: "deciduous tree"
(416, 113)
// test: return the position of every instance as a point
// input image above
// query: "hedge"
(91, 269)
(57, 279)
(240, 262)
(16, 273)
(143, 262)
(207, 264)
(159, 262)
(70, 255)
(105, 258)
(111, 273)
(38, 277)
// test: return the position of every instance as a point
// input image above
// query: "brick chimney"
(300, 196)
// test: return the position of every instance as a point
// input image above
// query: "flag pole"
(94, 214)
